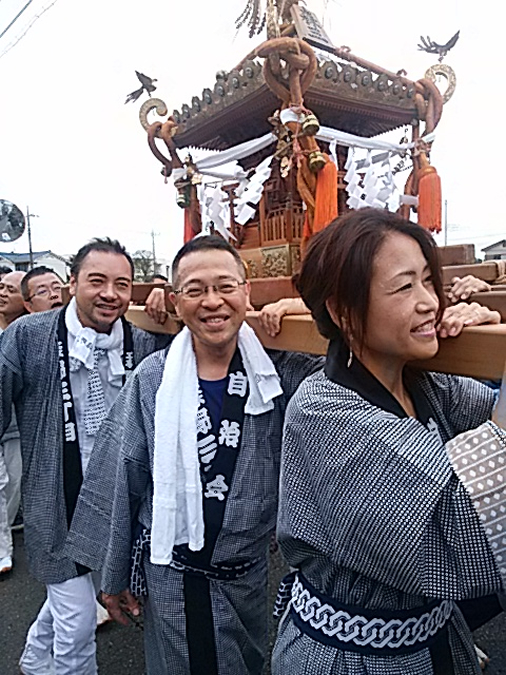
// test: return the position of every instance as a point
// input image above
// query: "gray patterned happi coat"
(373, 515)
(119, 479)
(29, 378)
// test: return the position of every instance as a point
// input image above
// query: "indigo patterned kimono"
(117, 498)
(30, 378)
(376, 521)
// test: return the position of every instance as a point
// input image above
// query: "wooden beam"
(271, 289)
(480, 351)
(141, 290)
(488, 271)
(457, 254)
(139, 318)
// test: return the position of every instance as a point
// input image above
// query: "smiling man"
(63, 370)
(188, 461)
(41, 289)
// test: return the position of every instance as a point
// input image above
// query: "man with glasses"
(186, 467)
(41, 290)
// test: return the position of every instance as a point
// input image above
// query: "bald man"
(11, 300)
(11, 308)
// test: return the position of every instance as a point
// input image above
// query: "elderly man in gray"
(11, 308)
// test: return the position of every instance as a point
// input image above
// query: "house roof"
(25, 257)
(499, 244)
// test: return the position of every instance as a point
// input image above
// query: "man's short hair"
(106, 245)
(211, 242)
(4, 270)
(159, 277)
(35, 272)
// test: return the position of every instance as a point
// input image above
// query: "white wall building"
(21, 261)
(496, 251)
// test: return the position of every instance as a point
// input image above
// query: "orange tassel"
(429, 197)
(306, 229)
(326, 196)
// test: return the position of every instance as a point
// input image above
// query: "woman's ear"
(338, 320)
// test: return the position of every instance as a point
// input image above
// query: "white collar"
(87, 339)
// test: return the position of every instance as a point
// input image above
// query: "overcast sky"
(73, 151)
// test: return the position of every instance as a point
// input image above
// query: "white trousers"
(10, 491)
(65, 629)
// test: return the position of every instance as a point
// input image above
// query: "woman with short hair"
(381, 516)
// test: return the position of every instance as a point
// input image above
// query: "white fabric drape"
(377, 188)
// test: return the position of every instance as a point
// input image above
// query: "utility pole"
(154, 252)
(29, 229)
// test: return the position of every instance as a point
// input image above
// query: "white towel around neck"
(86, 339)
(177, 490)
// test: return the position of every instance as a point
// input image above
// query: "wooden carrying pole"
(480, 351)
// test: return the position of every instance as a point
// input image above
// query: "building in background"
(21, 262)
(5, 262)
(495, 251)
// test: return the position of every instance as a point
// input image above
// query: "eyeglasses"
(224, 288)
(45, 292)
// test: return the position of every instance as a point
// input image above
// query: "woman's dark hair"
(211, 242)
(338, 268)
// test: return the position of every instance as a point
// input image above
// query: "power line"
(15, 19)
(35, 18)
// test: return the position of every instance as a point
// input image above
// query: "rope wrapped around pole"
(302, 67)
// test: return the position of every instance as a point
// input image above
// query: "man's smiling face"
(102, 289)
(213, 318)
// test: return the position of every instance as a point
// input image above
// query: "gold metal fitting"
(316, 161)
(310, 125)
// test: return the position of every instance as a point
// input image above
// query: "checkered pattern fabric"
(479, 460)
(374, 516)
(117, 490)
(240, 622)
(29, 377)
(5, 526)
(94, 411)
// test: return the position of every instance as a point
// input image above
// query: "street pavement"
(119, 648)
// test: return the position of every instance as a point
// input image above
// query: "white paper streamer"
(252, 192)
(377, 188)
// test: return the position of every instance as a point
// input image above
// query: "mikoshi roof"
(343, 95)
